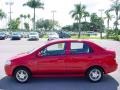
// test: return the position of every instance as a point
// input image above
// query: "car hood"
(53, 36)
(15, 35)
(2, 35)
(33, 35)
(19, 56)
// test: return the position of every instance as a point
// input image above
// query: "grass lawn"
(45, 36)
(81, 37)
(84, 37)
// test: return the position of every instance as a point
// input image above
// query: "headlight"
(8, 62)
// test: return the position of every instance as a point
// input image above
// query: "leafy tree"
(108, 17)
(34, 4)
(26, 25)
(23, 16)
(69, 27)
(86, 26)
(2, 14)
(77, 13)
(86, 14)
(28, 16)
(75, 27)
(40, 24)
(46, 24)
(97, 23)
(116, 7)
(14, 24)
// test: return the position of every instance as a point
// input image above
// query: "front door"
(52, 59)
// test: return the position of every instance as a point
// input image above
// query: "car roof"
(69, 40)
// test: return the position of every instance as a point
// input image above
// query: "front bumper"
(2, 38)
(33, 38)
(8, 70)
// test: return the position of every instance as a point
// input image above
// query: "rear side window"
(79, 47)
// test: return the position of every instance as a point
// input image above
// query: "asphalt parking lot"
(10, 48)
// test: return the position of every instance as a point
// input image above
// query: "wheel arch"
(95, 66)
(21, 67)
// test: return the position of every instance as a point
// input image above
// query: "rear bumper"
(111, 68)
(15, 38)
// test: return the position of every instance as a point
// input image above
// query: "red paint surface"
(64, 65)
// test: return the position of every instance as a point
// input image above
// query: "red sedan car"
(63, 58)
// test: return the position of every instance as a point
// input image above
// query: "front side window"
(79, 47)
(53, 50)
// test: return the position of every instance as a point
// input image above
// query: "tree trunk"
(108, 23)
(116, 23)
(85, 19)
(101, 34)
(34, 20)
(79, 34)
(101, 31)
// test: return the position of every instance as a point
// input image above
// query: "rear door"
(79, 57)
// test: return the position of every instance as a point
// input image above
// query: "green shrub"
(112, 34)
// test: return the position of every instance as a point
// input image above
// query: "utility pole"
(53, 16)
(10, 12)
(101, 11)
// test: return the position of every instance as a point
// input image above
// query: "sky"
(62, 8)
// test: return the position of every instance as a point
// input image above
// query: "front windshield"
(16, 33)
(36, 48)
(33, 33)
(1, 33)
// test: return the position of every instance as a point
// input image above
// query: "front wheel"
(95, 74)
(22, 75)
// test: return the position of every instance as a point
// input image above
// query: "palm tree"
(28, 16)
(86, 14)
(34, 4)
(25, 16)
(21, 17)
(2, 14)
(108, 17)
(116, 7)
(78, 13)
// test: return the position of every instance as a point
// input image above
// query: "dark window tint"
(55, 49)
(77, 47)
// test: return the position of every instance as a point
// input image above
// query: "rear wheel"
(22, 75)
(95, 74)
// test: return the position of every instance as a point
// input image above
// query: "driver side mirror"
(39, 54)
(42, 52)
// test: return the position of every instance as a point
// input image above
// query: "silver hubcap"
(22, 75)
(95, 74)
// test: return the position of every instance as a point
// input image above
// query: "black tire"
(25, 73)
(95, 74)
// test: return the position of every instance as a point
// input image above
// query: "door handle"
(89, 56)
